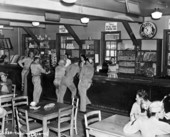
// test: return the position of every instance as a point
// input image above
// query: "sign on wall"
(111, 26)
(62, 29)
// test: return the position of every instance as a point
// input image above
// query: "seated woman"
(5, 84)
(139, 108)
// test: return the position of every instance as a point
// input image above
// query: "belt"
(36, 75)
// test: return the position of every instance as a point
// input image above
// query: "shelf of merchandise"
(67, 45)
(144, 60)
(46, 50)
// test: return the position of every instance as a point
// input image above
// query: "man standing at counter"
(59, 74)
(36, 70)
(67, 81)
(25, 64)
(85, 81)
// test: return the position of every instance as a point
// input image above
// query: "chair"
(90, 118)
(17, 102)
(24, 126)
(6, 103)
(75, 103)
(14, 89)
(2, 123)
(64, 123)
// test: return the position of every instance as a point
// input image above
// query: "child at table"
(139, 108)
(6, 84)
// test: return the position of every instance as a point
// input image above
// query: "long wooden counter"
(106, 93)
(120, 93)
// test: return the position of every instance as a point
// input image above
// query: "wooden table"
(111, 127)
(44, 115)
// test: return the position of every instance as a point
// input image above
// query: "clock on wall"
(148, 30)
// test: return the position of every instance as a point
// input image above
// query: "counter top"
(150, 81)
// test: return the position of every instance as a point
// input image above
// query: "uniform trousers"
(36, 80)
(83, 86)
(24, 75)
(63, 88)
(57, 83)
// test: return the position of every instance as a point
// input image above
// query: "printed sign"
(62, 29)
(111, 26)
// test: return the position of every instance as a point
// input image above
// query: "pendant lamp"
(35, 23)
(157, 14)
(84, 20)
(69, 1)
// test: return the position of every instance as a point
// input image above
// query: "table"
(111, 127)
(44, 115)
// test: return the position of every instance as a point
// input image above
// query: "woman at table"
(25, 64)
(85, 80)
(6, 83)
(36, 70)
(139, 108)
(150, 126)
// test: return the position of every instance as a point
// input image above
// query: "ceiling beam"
(130, 32)
(57, 6)
(20, 16)
(27, 18)
(24, 24)
(74, 35)
(32, 35)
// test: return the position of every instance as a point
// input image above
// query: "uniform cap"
(156, 106)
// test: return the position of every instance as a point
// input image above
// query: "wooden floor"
(81, 132)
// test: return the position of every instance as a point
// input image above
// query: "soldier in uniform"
(151, 126)
(85, 80)
(68, 81)
(59, 74)
(36, 70)
(25, 64)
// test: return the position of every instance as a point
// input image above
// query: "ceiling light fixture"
(69, 1)
(157, 14)
(84, 20)
(35, 23)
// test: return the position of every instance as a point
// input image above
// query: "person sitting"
(150, 126)
(139, 108)
(166, 102)
(6, 83)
